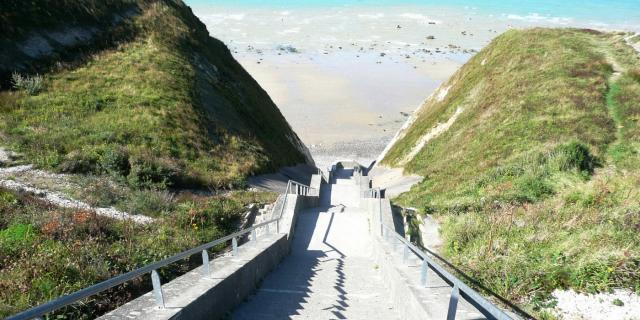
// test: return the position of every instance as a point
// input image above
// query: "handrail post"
(234, 245)
(423, 273)
(206, 270)
(254, 237)
(278, 226)
(157, 289)
(453, 303)
(380, 213)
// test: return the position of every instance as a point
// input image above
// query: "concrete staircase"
(330, 273)
(334, 254)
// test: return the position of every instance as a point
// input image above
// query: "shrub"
(635, 74)
(151, 203)
(115, 161)
(575, 155)
(31, 84)
(79, 162)
(146, 173)
(103, 193)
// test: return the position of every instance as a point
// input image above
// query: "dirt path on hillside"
(49, 187)
(636, 45)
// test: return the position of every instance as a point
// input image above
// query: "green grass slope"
(137, 101)
(47, 252)
(147, 95)
(537, 181)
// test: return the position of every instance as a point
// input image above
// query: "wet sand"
(344, 106)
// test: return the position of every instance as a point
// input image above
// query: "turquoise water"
(616, 12)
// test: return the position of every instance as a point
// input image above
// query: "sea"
(612, 14)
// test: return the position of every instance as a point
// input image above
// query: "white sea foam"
(235, 16)
(535, 17)
(419, 17)
(215, 19)
(371, 16)
(289, 31)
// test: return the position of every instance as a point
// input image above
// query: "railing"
(297, 188)
(374, 193)
(324, 176)
(459, 288)
(43, 309)
(357, 171)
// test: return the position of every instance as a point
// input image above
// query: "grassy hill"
(530, 155)
(137, 89)
(137, 103)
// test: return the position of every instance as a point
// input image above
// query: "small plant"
(31, 84)
(617, 302)
(115, 161)
(145, 173)
(80, 162)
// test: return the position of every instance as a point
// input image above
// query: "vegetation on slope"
(46, 252)
(537, 181)
(136, 101)
(170, 106)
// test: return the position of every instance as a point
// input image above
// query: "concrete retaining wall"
(231, 291)
(400, 288)
(316, 182)
(406, 302)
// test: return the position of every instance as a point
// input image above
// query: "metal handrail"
(373, 193)
(488, 309)
(300, 189)
(43, 309)
(324, 177)
(485, 307)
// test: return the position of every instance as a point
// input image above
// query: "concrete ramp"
(277, 182)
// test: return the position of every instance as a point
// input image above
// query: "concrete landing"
(277, 182)
(330, 273)
(345, 194)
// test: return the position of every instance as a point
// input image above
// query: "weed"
(80, 162)
(115, 161)
(31, 84)
(147, 173)
(16, 236)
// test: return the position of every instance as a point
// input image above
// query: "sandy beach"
(346, 78)
(339, 108)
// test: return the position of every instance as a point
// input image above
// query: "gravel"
(573, 306)
(26, 174)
